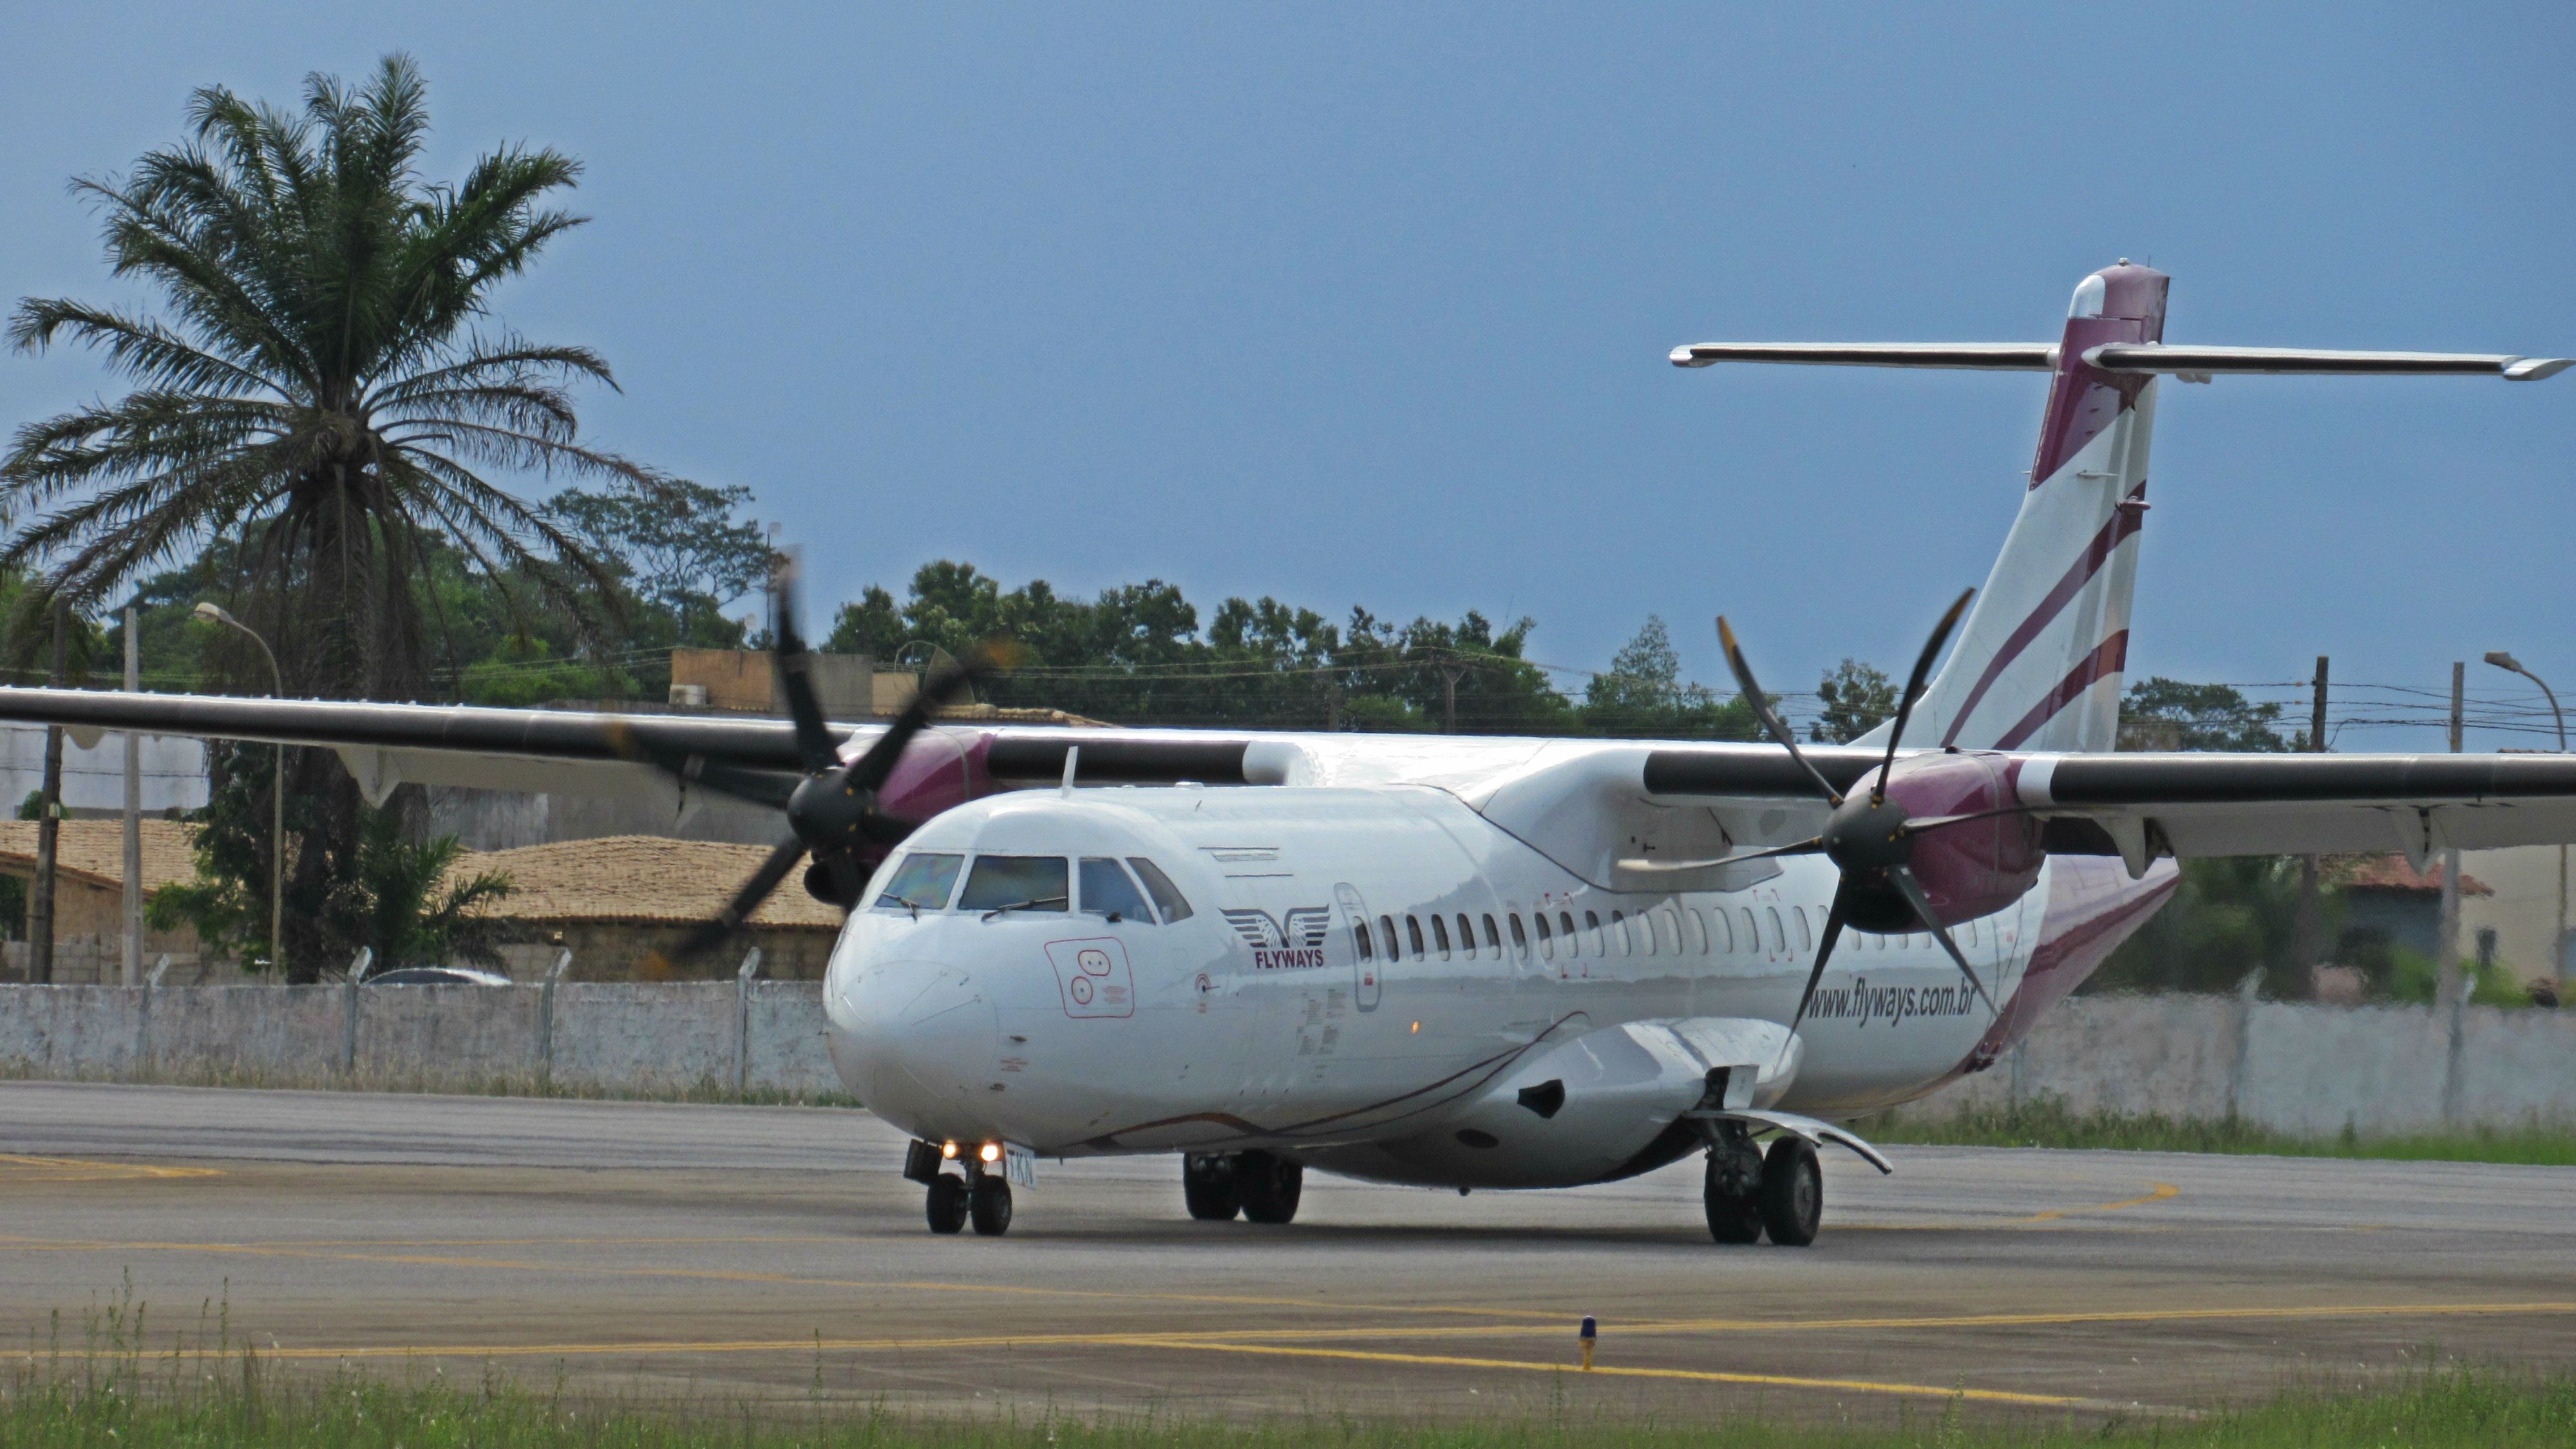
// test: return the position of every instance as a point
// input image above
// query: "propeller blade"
(757, 787)
(1912, 890)
(869, 771)
(1659, 867)
(1914, 690)
(746, 900)
(816, 750)
(1834, 916)
(1920, 824)
(1753, 696)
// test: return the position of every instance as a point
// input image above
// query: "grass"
(128, 1400)
(489, 1084)
(2047, 1122)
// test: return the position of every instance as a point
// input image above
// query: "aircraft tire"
(1269, 1186)
(1793, 1193)
(1207, 1185)
(1732, 1194)
(989, 1204)
(947, 1203)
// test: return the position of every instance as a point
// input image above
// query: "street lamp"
(214, 614)
(2502, 660)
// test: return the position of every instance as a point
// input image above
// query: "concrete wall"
(2303, 1069)
(605, 1036)
(2298, 1068)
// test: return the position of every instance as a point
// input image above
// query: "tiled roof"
(644, 879)
(95, 850)
(2392, 873)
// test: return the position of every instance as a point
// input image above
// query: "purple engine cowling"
(1977, 867)
(940, 770)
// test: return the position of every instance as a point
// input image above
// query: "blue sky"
(1369, 304)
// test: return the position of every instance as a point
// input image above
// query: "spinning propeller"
(1868, 836)
(832, 809)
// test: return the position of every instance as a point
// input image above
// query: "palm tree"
(324, 394)
(318, 387)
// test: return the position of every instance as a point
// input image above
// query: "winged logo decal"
(1292, 941)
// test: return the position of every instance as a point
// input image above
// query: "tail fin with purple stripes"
(2039, 660)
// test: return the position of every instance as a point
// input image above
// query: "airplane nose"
(925, 1042)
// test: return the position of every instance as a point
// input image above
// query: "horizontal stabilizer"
(1981, 356)
(2203, 362)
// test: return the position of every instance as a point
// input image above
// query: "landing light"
(948, 1150)
(991, 1152)
(1417, 1028)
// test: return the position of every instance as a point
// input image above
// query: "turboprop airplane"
(1495, 962)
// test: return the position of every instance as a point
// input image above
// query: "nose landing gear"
(981, 1196)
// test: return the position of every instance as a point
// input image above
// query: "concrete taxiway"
(777, 1252)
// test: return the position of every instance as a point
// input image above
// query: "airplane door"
(1365, 969)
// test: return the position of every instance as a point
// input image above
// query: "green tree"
(1857, 697)
(322, 393)
(2162, 713)
(1643, 694)
(407, 902)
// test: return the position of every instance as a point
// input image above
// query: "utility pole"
(133, 811)
(40, 899)
(2558, 942)
(1450, 670)
(2447, 990)
(2311, 928)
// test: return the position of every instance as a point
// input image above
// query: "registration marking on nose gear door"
(1093, 976)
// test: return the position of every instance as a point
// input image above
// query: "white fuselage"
(1278, 1014)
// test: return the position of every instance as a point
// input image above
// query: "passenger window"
(1779, 938)
(1722, 929)
(1520, 938)
(1413, 928)
(1440, 935)
(1016, 883)
(1107, 891)
(1565, 926)
(1972, 933)
(1752, 933)
(1546, 942)
(1167, 896)
(1592, 928)
(1493, 938)
(1698, 931)
(1386, 930)
(1360, 940)
(1466, 935)
(921, 883)
(1806, 942)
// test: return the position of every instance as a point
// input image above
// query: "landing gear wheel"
(1207, 1185)
(947, 1203)
(1268, 1186)
(989, 1202)
(1732, 1192)
(1793, 1193)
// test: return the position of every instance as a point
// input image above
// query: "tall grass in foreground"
(2048, 1122)
(206, 1393)
(202, 1404)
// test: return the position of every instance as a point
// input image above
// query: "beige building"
(623, 904)
(2522, 909)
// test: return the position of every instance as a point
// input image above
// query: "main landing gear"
(1749, 1192)
(981, 1196)
(1262, 1186)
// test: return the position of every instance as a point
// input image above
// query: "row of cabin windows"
(1666, 930)
(925, 880)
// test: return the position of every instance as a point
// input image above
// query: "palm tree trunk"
(40, 900)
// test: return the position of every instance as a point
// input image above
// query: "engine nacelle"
(1969, 870)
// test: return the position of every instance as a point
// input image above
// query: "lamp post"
(2558, 945)
(277, 820)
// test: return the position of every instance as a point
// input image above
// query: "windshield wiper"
(1027, 905)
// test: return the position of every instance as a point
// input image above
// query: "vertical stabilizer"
(2038, 663)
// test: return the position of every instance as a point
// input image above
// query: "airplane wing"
(2194, 804)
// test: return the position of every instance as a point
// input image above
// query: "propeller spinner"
(1870, 837)
(834, 812)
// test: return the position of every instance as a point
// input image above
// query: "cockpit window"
(1016, 883)
(921, 883)
(1106, 891)
(1167, 896)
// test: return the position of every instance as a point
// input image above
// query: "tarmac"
(648, 1250)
